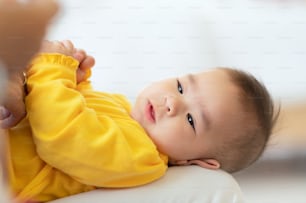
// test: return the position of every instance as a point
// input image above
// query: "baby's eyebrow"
(191, 79)
(204, 114)
(205, 120)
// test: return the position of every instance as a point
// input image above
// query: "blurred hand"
(22, 28)
(13, 107)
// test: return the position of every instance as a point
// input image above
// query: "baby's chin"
(134, 116)
(160, 148)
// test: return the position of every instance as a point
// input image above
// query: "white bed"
(190, 184)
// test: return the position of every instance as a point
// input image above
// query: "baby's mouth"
(150, 112)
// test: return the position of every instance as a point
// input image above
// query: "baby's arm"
(84, 134)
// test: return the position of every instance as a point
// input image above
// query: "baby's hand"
(67, 48)
(86, 62)
(62, 47)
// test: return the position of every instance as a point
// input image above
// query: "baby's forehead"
(210, 75)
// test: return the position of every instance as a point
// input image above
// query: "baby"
(75, 139)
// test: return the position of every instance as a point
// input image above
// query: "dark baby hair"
(251, 136)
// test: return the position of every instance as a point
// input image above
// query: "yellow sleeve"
(101, 148)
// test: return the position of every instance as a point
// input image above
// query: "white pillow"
(183, 184)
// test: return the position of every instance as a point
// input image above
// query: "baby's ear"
(204, 163)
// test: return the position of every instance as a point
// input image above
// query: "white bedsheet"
(180, 184)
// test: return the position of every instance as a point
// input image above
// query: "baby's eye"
(190, 120)
(179, 87)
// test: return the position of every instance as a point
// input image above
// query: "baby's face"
(187, 117)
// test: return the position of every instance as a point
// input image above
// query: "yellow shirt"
(75, 139)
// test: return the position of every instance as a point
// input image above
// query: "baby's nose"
(173, 105)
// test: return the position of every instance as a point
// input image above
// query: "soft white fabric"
(180, 184)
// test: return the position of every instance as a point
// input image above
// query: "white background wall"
(138, 41)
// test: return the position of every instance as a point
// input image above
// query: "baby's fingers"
(68, 45)
(87, 63)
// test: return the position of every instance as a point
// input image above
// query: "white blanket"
(180, 184)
